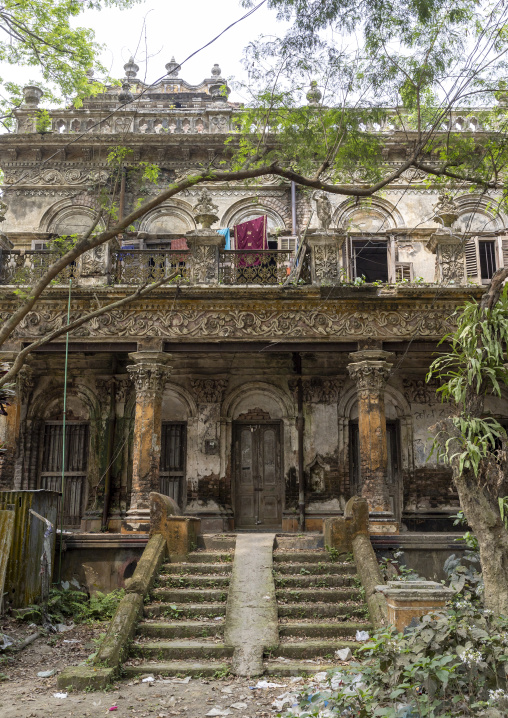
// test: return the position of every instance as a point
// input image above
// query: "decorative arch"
(246, 209)
(41, 405)
(173, 217)
(183, 396)
(70, 216)
(374, 215)
(231, 405)
(478, 214)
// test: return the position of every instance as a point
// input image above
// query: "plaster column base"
(137, 521)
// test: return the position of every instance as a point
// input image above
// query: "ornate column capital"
(370, 370)
(150, 372)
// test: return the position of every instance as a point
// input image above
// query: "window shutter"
(504, 252)
(403, 271)
(287, 243)
(38, 245)
(472, 257)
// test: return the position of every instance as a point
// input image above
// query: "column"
(326, 249)
(149, 374)
(11, 423)
(370, 371)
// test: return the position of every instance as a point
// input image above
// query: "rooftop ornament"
(173, 68)
(205, 210)
(314, 95)
(218, 89)
(125, 95)
(446, 210)
(32, 96)
(131, 69)
(324, 210)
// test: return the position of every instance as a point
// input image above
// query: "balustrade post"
(149, 373)
(204, 245)
(325, 253)
(94, 266)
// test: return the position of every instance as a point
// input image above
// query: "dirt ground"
(25, 695)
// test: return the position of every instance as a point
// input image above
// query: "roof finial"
(173, 68)
(131, 69)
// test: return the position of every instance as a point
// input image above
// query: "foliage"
(477, 359)
(392, 569)
(66, 602)
(451, 663)
(41, 34)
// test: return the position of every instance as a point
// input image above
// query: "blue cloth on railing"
(226, 233)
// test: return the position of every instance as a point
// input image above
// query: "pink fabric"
(179, 244)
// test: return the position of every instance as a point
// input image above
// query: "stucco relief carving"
(325, 262)
(209, 391)
(149, 379)
(370, 376)
(238, 323)
(93, 262)
(123, 386)
(418, 391)
(24, 383)
(55, 176)
(452, 263)
(318, 390)
(204, 263)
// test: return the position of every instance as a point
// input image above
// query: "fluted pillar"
(370, 371)
(149, 375)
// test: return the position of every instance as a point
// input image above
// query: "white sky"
(173, 27)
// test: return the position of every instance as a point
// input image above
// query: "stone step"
(212, 669)
(181, 650)
(181, 629)
(322, 610)
(304, 569)
(322, 629)
(313, 649)
(312, 556)
(296, 668)
(306, 595)
(178, 611)
(210, 557)
(322, 581)
(190, 595)
(195, 568)
(214, 581)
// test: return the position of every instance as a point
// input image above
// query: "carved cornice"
(209, 391)
(149, 378)
(418, 391)
(223, 322)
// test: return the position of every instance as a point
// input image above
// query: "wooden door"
(258, 495)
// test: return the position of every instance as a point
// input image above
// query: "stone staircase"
(183, 624)
(320, 607)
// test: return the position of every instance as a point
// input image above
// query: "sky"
(155, 30)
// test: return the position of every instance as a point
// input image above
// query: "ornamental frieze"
(244, 324)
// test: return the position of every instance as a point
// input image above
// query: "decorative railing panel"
(270, 266)
(26, 268)
(143, 266)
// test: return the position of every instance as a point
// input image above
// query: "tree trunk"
(482, 513)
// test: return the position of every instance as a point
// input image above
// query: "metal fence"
(270, 266)
(142, 266)
(26, 268)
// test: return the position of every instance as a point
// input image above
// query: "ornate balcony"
(271, 266)
(142, 266)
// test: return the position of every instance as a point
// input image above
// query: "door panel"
(258, 500)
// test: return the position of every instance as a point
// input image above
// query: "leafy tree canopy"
(40, 34)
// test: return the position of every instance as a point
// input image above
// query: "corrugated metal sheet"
(6, 533)
(23, 576)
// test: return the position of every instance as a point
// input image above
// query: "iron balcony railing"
(26, 268)
(142, 266)
(270, 266)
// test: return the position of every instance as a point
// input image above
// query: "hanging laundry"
(227, 234)
(180, 244)
(251, 234)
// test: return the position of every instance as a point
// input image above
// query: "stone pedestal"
(370, 371)
(204, 245)
(325, 252)
(413, 599)
(149, 374)
(450, 258)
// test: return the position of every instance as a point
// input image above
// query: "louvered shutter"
(38, 245)
(472, 257)
(504, 252)
(403, 271)
(287, 243)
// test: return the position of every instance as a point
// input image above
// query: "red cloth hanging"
(179, 244)
(251, 234)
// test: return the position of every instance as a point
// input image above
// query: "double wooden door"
(258, 482)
